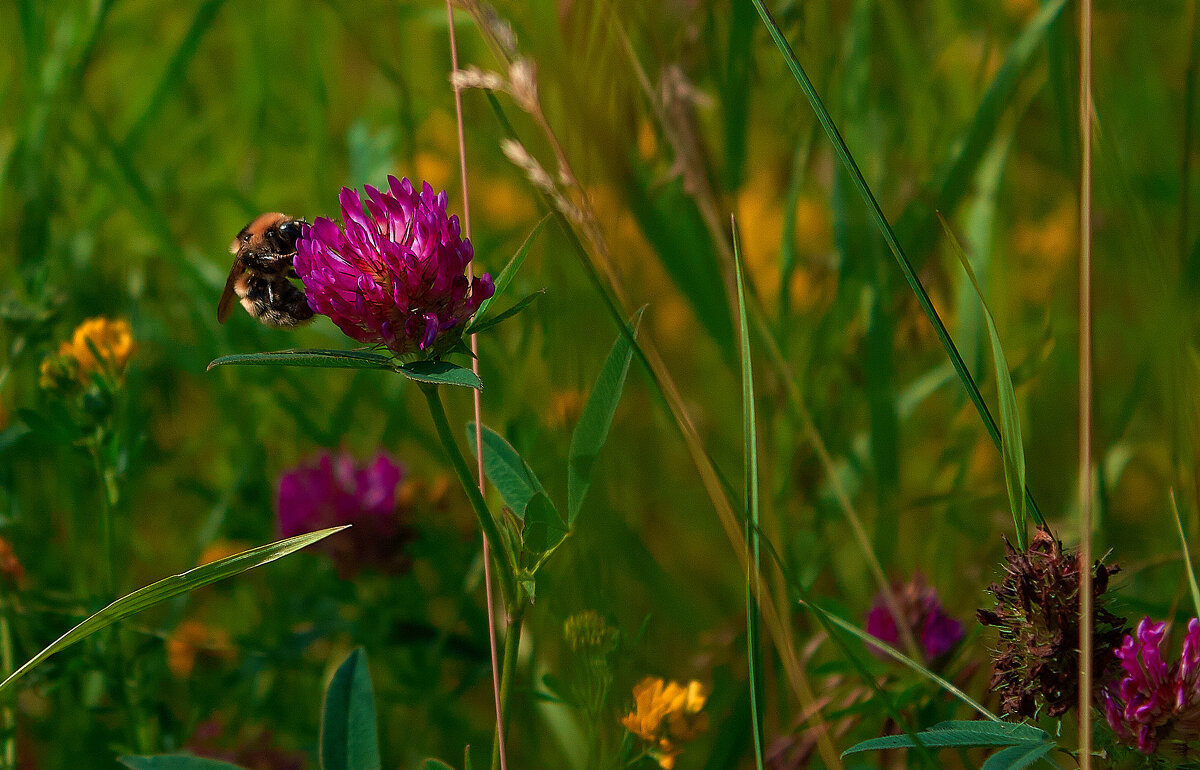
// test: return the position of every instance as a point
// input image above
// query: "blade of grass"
(1012, 447)
(166, 588)
(1187, 555)
(749, 500)
(889, 235)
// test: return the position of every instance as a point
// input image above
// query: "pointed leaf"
(1017, 757)
(1011, 446)
(486, 323)
(175, 762)
(959, 734)
(596, 418)
(349, 737)
(325, 359)
(167, 588)
(510, 270)
(512, 476)
(440, 373)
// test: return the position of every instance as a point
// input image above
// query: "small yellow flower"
(113, 340)
(666, 714)
(190, 640)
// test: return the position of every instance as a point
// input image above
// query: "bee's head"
(274, 233)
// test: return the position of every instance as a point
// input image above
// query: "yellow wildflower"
(113, 340)
(666, 714)
(190, 640)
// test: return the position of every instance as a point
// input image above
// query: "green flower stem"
(486, 522)
(512, 640)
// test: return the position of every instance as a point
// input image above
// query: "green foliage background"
(136, 138)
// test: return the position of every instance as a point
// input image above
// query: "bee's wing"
(226, 303)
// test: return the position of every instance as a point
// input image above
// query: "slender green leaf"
(167, 588)
(1012, 447)
(900, 657)
(889, 235)
(483, 324)
(504, 467)
(1019, 756)
(1187, 555)
(749, 500)
(328, 359)
(440, 373)
(175, 762)
(960, 734)
(510, 270)
(591, 431)
(349, 737)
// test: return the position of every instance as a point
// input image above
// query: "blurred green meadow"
(137, 138)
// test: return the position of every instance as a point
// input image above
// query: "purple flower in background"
(330, 490)
(936, 632)
(394, 274)
(1154, 701)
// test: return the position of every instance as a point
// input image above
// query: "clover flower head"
(330, 490)
(394, 272)
(936, 632)
(1153, 700)
(667, 714)
(1036, 660)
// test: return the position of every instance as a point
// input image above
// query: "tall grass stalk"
(750, 502)
(499, 754)
(1085, 384)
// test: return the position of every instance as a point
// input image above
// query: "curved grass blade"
(510, 270)
(349, 734)
(327, 359)
(175, 762)
(166, 588)
(440, 373)
(1012, 447)
(750, 499)
(591, 431)
(1187, 555)
(889, 235)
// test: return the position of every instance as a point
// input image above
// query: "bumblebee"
(262, 264)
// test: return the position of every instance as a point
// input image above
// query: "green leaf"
(504, 467)
(440, 373)
(1017, 757)
(436, 764)
(1011, 446)
(1187, 555)
(325, 359)
(486, 323)
(349, 737)
(960, 734)
(749, 501)
(166, 588)
(596, 418)
(544, 528)
(175, 762)
(510, 270)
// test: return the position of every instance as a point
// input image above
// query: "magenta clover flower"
(393, 274)
(330, 490)
(1153, 700)
(935, 631)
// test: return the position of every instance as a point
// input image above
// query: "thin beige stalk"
(487, 556)
(1085, 384)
